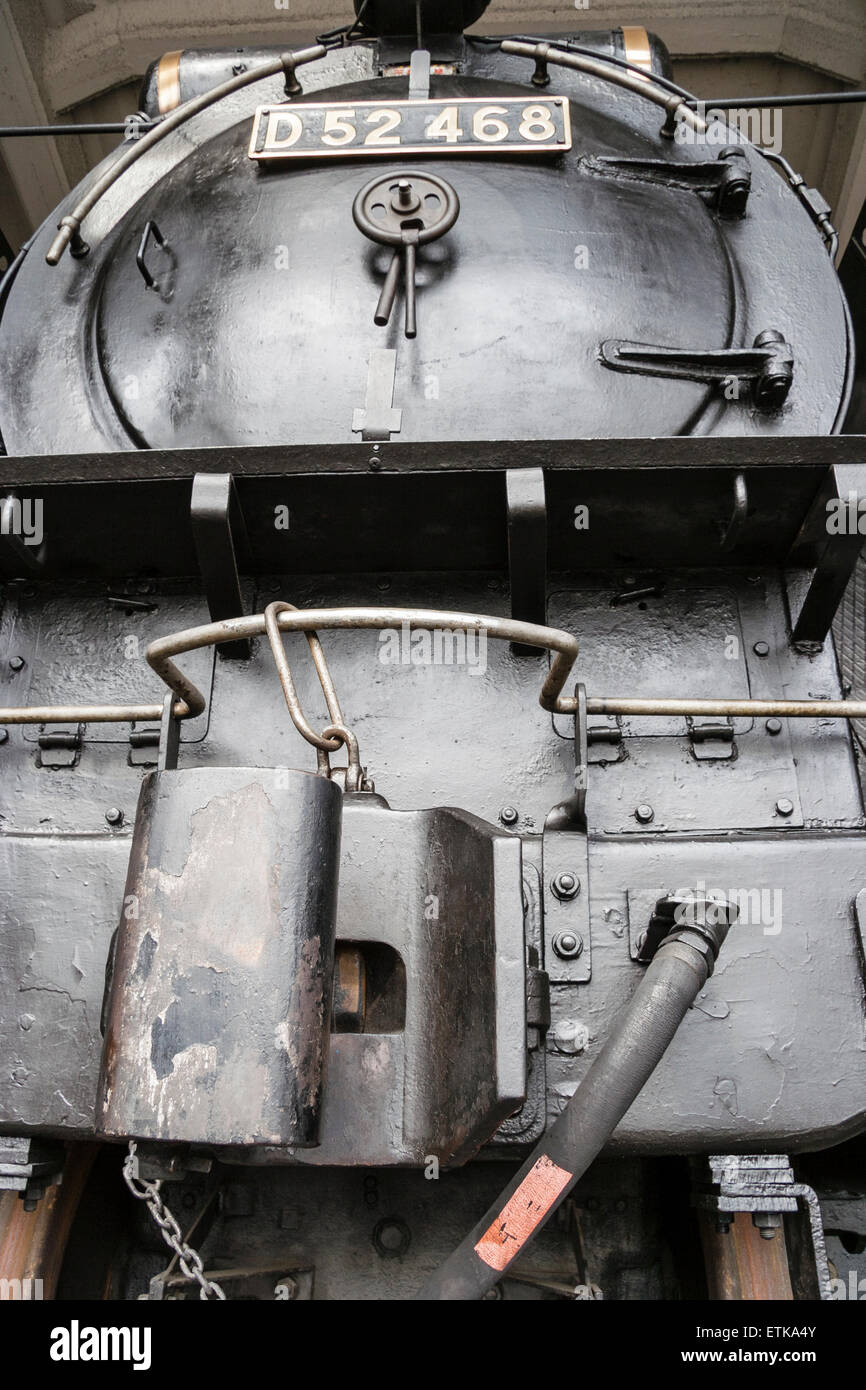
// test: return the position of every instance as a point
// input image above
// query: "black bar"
(527, 548)
(805, 99)
(217, 528)
(9, 132)
(474, 456)
(836, 556)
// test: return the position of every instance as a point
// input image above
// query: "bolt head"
(568, 945)
(761, 648)
(773, 726)
(509, 815)
(566, 885)
(4, 735)
(16, 663)
(571, 1036)
(644, 813)
(784, 807)
(114, 816)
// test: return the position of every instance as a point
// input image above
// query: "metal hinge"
(144, 745)
(60, 745)
(711, 738)
(604, 740)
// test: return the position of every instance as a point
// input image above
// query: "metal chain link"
(189, 1260)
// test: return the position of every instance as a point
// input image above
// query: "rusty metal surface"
(743, 1266)
(32, 1243)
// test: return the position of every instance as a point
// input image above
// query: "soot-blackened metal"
(220, 999)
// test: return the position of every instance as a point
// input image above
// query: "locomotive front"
(499, 356)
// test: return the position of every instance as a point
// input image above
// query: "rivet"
(644, 813)
(761, 648)
(784, 807)
(114, 816)
(508, 815)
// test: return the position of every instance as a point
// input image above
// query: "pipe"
(796, 99)
(674, 977)
(597, 66)
(191, 702)
(9, 132)
(69, 229)
(746, 709)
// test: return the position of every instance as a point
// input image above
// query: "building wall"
(83, 59)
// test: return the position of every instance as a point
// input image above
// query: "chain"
(189, 1260)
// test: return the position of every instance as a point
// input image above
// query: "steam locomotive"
(515, 382)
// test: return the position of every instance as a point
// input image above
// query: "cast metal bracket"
(565, 871)
(219, 535)
(527, 547)
(768, 366)
(726, 180)
(833, 557)
(763, 1185)
(740, 511)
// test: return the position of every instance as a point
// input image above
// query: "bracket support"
(832, 554)
(527, 547)
(219, 534)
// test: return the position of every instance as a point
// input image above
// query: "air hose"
(677, 972)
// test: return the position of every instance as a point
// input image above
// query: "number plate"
(310, 130)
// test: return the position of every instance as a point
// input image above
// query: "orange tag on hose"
(525, 1209)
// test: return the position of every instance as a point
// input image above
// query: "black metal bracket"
(169, 737)
(571, 813)
(727, 179)
(768, 365)
(831, 553)
(219, 535)
(527, 547)
(739, 513)
(763, 1187)
(565, 871)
